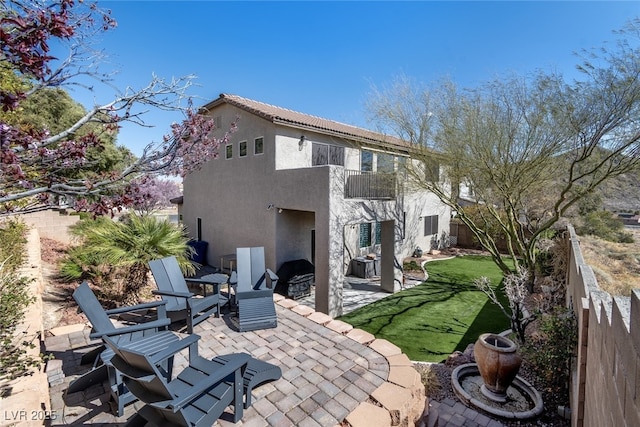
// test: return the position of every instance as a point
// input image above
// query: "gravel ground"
(442, 377)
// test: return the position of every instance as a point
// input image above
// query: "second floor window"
(258, 146)
(243, 149)
(229, 151)
(432, 170)
(366, 161)
(325, 154)
(385, 163)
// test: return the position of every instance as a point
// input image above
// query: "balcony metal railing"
(369, 185)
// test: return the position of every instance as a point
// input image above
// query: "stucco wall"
(606, 373)
(277, 198)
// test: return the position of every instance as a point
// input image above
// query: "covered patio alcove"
(300, 236)
(369, 253)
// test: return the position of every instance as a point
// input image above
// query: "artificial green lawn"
(444, 314)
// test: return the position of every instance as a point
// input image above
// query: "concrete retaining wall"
(606, 374)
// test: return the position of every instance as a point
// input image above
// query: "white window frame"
(246, 149)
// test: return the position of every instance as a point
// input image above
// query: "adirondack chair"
(103, 327)
(254, 285)
(196, 397)
(181, 303)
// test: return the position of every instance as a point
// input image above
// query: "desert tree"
(41, 165)
(526, 148)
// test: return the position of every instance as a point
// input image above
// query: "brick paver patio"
(328, 370)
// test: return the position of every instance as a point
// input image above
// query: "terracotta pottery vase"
(498, 363)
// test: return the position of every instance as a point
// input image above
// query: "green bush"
(604, 225)
(12, 243)
(411, 266)
(14, 300)
(549, 354)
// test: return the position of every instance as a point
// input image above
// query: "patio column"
(388, 280)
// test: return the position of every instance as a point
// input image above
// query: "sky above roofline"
(322, 58)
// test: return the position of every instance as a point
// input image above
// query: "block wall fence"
(51, 223)
(605, 383)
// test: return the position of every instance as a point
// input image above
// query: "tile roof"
(292, 118)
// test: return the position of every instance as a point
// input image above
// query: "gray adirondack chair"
(181, 303)
(254, 285)
(197, 397)
(103, 327)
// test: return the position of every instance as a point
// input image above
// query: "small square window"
(258, 146)
(229, 151)
(243, 149)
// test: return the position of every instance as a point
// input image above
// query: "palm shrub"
(115, 255)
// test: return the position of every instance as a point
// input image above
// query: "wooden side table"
(229, 259)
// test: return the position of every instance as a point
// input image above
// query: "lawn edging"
(401, 400)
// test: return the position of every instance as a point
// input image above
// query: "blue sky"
(322, 58)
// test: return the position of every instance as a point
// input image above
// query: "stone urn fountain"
(492, 385)
(498, 363)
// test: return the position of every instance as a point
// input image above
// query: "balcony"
(370, 185)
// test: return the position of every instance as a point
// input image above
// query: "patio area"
(331, 373)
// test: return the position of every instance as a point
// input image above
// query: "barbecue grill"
(295, 278)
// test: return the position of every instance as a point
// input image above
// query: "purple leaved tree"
(40, 168)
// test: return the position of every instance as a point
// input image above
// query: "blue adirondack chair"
(197, 397)
(181, 303)
(103, 327)
(254, 285)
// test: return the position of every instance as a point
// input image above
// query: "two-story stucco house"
(307, 187)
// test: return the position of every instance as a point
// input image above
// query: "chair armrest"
(174, 294)
(128, 370)
(234, 363)
(130, 308)
(174, 348)
(202, 281)
(156, 324)
(273, 275)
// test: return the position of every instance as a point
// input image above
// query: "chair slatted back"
(143, 377)
(168, 276)
(250, 268)
(257, 265)
(90, 306)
